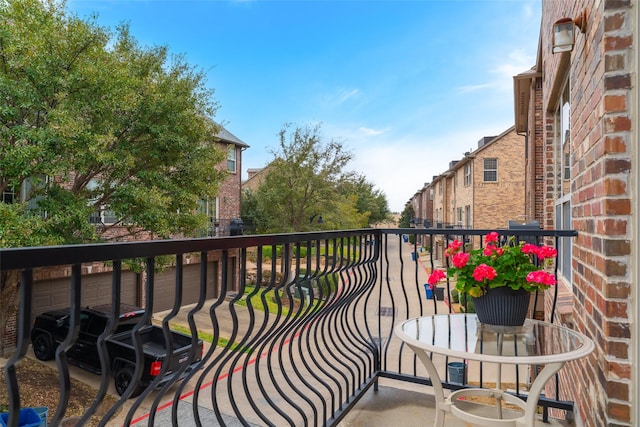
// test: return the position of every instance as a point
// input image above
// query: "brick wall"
(599, 71)
(230, 190)
(464, 193)
(535, 176)
(495, 203)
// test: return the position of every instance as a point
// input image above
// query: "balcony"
(298, 328)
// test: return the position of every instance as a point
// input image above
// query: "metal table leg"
(442, 407)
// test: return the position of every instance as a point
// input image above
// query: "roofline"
(226, 136)
(522, 90)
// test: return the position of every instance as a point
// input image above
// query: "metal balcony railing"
(300, 325)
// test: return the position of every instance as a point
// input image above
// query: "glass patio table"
(463, 336)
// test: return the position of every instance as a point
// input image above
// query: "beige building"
(255, 177)
(489, 183)
(484, 190)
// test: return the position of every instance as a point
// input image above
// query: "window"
(562, 144)
(209, 207)
(231, 159)
(28, 191)
(491, 170)
(459, 217)
(9, 195)
(97, 326)
(103, 216)
(467, 216)
(440, 187)
(102, 213)
(467, 174)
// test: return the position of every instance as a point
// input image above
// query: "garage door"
(164, 290)
(96, 289)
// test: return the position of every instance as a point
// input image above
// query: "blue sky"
(407, 86)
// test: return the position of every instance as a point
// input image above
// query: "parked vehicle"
(51, 328)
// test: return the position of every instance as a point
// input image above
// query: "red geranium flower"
(483, 271)
(435, 277)
(460, 259)
(545, 252)
(453, 247)
(541, 277)
(492, 237)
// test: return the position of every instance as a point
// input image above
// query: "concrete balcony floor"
(406, 405)
(395, 403)
(389, 406)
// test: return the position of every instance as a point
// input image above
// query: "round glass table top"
(463, 336)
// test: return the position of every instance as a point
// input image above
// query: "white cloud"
(372, 132)
(340, 97)
(517, 62)
(475, 88)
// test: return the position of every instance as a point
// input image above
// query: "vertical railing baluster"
(24, 328)
(204, 264)
(105, 361)
(136, 337)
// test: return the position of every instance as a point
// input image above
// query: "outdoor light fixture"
(564, 33)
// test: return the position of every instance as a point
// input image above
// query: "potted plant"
(499, 278)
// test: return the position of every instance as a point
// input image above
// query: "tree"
(302, 185)
(368, 199)
(91, 122)
(406, 216)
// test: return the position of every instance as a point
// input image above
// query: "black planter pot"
(503, 306)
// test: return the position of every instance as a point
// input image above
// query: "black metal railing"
(298, 326)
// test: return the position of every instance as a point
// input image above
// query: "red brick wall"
(600, 69)
(229, 192)
(534, 205)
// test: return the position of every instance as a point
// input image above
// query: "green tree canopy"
(406, 216)
(306, 180)
(91, 121)
(368, 199)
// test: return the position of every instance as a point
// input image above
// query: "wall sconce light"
(564, 32)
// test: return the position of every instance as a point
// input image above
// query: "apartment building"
(227, 202)
(483, 190)
(489, 183)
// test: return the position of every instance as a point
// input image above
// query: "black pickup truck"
(51, 328)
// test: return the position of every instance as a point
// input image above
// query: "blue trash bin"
(28, 418)
(428, 291)
(43, 412)
(457, 372)
(413, 256)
